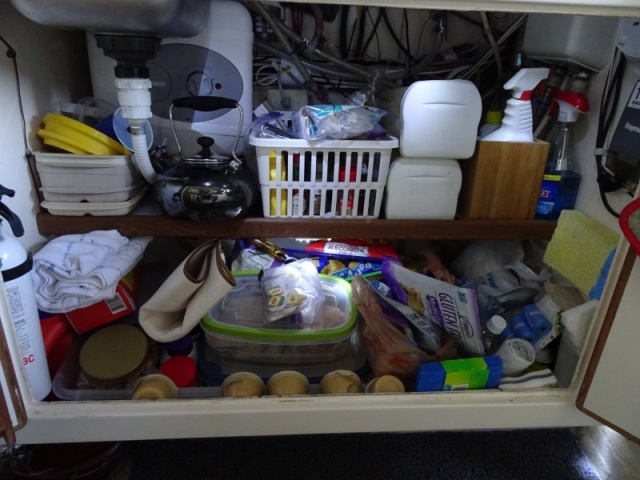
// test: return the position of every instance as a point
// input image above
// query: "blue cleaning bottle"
(562, 178)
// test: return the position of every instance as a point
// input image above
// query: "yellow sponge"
(579, 248)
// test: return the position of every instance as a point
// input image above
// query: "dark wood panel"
(162, 226)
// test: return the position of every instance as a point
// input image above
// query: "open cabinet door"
(611, 386)
(12, 412)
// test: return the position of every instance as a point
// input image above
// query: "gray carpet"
(547, 454)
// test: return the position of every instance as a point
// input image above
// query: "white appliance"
(613, 393)
(216, 62)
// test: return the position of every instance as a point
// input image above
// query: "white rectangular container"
(423, 188)
(78, 195)
(584, 40)
(86, 172)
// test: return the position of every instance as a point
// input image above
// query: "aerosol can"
(15, 265)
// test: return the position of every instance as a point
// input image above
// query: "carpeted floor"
(547, 454)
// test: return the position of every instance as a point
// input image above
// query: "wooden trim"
(7, 430)
(253, 227)
(609, 317)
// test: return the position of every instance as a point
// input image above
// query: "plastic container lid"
(114, 354)
(155, 387)
(288, 382)
(240, 314)
(181, 346)
(496, 324)
(182, 370)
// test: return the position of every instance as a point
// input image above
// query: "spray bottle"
(518, 119)
(562, 177)
(15, 265)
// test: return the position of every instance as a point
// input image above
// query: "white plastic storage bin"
(77, 209)
(77, 195)
(86, 172)
(299, 178)
(423, 188)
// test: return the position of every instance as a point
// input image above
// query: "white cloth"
(75, 271)
(199, 282)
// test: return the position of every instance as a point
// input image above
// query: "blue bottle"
(562, 178)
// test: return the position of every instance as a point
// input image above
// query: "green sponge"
(579, 248)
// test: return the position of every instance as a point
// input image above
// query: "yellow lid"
(288, 382)
(155, 387)
(386, 384)
(242, 384)
(340, 381)
(493, 117)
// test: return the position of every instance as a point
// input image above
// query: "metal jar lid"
(114, 354)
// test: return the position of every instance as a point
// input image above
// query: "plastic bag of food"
(388, 350)
(293, 288)
(497, 266)
(452, 307)
(338, 122)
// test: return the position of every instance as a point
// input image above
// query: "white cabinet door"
(611, 386)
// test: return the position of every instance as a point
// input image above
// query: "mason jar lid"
(114, 355)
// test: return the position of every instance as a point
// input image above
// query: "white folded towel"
(75, 271)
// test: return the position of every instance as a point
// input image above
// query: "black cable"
(406, 36)
(344, 16)
(395, 38)
(374, 31)
(610, 97)
(361, 26)
(11, 53)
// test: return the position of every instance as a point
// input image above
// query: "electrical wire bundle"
(321, 67)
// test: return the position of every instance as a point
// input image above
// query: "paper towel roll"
(516, 354)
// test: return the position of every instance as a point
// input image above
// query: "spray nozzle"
(570, 104)
(523, 82)
(12, 218)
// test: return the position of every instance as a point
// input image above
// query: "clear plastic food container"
(235, 326)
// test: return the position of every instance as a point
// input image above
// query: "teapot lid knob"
(205, 143)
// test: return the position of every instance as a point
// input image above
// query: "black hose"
(395, 38)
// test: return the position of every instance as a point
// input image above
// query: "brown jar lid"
(114, 354)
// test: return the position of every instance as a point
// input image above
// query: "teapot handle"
(208, 104)
(204, 103)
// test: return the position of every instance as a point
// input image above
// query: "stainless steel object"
(158, 18)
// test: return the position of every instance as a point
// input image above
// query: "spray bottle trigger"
(523, 82)
(12, 218)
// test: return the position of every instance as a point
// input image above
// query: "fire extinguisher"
(15, 265)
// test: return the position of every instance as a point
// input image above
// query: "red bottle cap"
(182, 370)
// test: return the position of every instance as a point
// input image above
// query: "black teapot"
(206, 186)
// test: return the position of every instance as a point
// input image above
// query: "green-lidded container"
(236, 327)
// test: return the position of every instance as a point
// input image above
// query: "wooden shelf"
(161, 226)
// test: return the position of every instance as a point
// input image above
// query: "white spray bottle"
(517, 124)
(15, 265)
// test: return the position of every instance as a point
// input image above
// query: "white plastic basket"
(310, 179)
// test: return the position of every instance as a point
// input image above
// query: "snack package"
(353, 248)
(453, 308)
(293, 288)
(388, 349)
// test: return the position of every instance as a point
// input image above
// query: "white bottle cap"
(496, 324)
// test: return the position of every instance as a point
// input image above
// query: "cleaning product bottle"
(518, 119)
(561, 175)
(15, 265)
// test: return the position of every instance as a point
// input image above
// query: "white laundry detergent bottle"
(16, 265)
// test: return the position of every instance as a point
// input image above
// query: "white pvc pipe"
(134, 96)
(140, 152)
